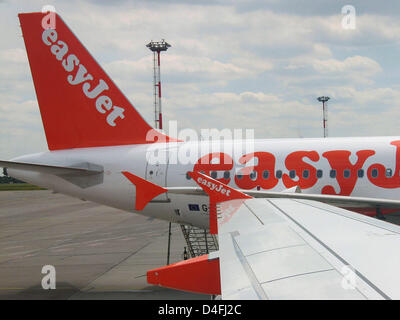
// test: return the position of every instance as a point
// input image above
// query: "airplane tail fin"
(80, 105)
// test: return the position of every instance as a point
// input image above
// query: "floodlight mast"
(157, 47)
(324, 101)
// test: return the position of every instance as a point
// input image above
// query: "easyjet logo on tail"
(71, 63)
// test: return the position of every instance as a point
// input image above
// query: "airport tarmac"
(98, 252)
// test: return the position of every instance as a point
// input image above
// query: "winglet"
(218, 192)
(145, 190)
(200, 274)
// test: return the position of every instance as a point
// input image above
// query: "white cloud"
(230, 65)
(356, 69)
(363, 66)
(13, 55)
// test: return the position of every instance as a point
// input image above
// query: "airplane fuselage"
(359, 167)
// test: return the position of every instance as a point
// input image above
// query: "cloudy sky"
(232, 64)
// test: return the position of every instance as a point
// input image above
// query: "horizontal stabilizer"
(83, 168)
(145, 190)
(82, 174)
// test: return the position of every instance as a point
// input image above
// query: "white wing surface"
(284, 248)
(302, 249)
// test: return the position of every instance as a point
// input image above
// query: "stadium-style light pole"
(324, 101)
(157, 47)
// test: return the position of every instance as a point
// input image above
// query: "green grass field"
(18, 187)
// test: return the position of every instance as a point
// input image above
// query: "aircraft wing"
(282, 248)
(302, 249)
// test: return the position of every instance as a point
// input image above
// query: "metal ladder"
(199, 241)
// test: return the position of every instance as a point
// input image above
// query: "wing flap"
(365, 244)
(270, 257)
(313, 286)
(237, 279)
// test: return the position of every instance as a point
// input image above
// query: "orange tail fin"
(79, 104)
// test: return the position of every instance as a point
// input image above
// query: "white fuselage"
(364, 167)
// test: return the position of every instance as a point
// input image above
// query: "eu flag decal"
(194, 207)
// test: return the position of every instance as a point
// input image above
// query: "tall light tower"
(157, 47)
(324, 101)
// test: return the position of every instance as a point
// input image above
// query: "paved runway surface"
(98, 252)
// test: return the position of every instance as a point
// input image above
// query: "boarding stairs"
(199, 241)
